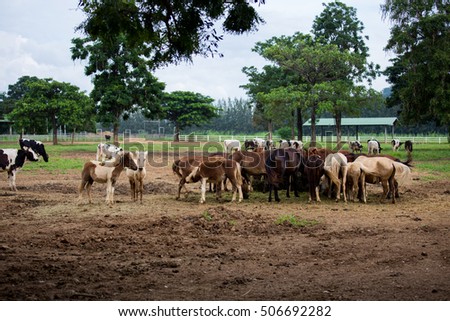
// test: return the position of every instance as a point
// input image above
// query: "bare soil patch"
(52, 248)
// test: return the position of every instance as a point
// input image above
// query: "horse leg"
(275, 190)
(270, 192)
(317, 193)
(203, 189)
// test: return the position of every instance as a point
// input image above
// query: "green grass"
(294, 221)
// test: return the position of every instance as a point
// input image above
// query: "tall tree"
(316, 63)
(173, 31)
(338, 24)
(420, 76)
(122, 79)
(51, 103)
(185, 108)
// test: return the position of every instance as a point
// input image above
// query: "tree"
(122, 79)
(44, 102)
(173, 31)
(339, 25)
(185, 108)
(419, 75)
(317, 64)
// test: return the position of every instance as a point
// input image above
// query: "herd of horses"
(292, 168)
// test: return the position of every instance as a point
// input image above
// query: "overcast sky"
(35, 41)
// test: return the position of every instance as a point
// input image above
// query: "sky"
(35, 38)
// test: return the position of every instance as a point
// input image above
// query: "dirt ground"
(52, 248)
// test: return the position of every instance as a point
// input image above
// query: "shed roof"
(362, 121)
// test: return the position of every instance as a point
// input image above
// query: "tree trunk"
(338, 121)
(313, 126)
(176, 136)
(55, 131)
(293, 124)
(116, 134)
(270, 129)
(299, 124)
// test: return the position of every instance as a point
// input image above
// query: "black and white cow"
(396, 143)
(373, 147)
(12, 160)
(356, 146)
(107, 151)
(37, 146)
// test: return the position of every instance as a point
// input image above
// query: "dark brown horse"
(282, 166)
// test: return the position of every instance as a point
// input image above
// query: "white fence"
(92, 137)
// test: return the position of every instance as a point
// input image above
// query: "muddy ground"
(52, 248)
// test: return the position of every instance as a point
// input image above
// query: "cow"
(95, 171)
(215, 172)
(37, 146)
(107, 151)
(269, 145)
(231, 144)
(355, 146)
(297, 144)
(396, 144)
(313, 169)
(260, 143)
(11, 160)
(136, 177)
(409, 146)
(250, 144)
(373, 146)
(282, 167)
(284, 143)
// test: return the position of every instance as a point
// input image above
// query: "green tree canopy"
(419, 75)
(185, 108)
(122, 79)
(172, 30)
(42, 103)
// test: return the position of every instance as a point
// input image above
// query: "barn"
(324, 125)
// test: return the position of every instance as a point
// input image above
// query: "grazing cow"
(11, 160)
(108, 174)
(231, 144)
(260, 143)
(249, 144)
(297, 144)
(409, 146)
(269, 145)
(373, 146)
(136, 177)
(313, 170)
(335, 169)
(355, 146)
(380, 167)
(282, 167)
(37, 146)
(396, 144)
(215, 172)
(285, 143)
(107, 151)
